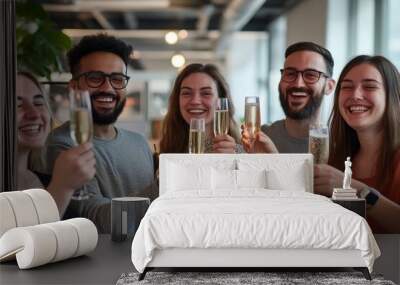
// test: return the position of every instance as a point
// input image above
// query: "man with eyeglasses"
(124, 163)
(305, 78)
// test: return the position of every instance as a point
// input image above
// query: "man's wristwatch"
(370, 195)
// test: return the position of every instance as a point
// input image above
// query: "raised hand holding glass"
(81, 126)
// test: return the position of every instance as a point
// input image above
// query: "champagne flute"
(252, 116)
(318, 143)
(81, 127)
(221, 117)
(197, 136)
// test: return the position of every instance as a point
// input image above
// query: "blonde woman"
(73, 167)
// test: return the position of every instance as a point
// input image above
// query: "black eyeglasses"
(95, 79)
(310, 76)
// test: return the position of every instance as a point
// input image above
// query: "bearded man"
(124, 163)
(305, 79)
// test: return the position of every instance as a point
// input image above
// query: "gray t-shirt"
(282, 140)
(124, 167)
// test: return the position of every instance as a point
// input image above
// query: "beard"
(110, 118)
(308, 110)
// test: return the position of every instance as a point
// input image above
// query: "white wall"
(337, 42)
(277, 47)
(336, 33)
(307, 22)
(246, 69)
(365, 27)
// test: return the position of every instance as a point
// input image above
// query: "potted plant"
(40, 44)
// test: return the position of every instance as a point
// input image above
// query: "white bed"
(247, 211)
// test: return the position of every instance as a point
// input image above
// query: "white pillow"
(292, 179)
(188, 177)
(223, 179)
(251, 178)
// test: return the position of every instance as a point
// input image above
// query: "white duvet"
(250, 219)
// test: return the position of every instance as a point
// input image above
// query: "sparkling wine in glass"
(197, 136)
(81, 126)
(252, 115)
(221, 117)
(318, 143)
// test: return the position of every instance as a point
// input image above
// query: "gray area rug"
(225, 278)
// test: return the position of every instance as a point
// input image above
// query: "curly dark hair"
(310, 46)
(94, 43)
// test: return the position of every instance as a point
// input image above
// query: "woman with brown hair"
(73, 167)
(194, 95)
(365, 126)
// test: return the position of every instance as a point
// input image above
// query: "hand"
(73, 168)
(260, 144)
(224, 144)
(326, 178)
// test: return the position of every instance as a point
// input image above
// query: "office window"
(362, 15)
(277, 47)
(393, 36)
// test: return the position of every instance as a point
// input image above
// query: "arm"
(72, 169)
(327, 177)
(61, 154)
(384, 211)
(123, 168)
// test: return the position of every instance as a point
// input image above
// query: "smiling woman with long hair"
(73, 167)
(194, 95)
(365, 126)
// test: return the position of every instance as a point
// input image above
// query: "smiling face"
(33, 119)
(197, 97)
(300, 100)
(362, 98)
(107, 102)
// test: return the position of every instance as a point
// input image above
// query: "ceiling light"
(171, 38)
(182, 34)
(178, 60)
(135, 54)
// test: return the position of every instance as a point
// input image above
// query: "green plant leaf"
(40, 44)
(30, 11)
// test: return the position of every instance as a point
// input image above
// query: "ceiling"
(209, 24)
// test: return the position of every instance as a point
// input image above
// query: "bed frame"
(233, 259)
(250, 259)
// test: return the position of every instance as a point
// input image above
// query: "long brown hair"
(344, 140)
(175, 130)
